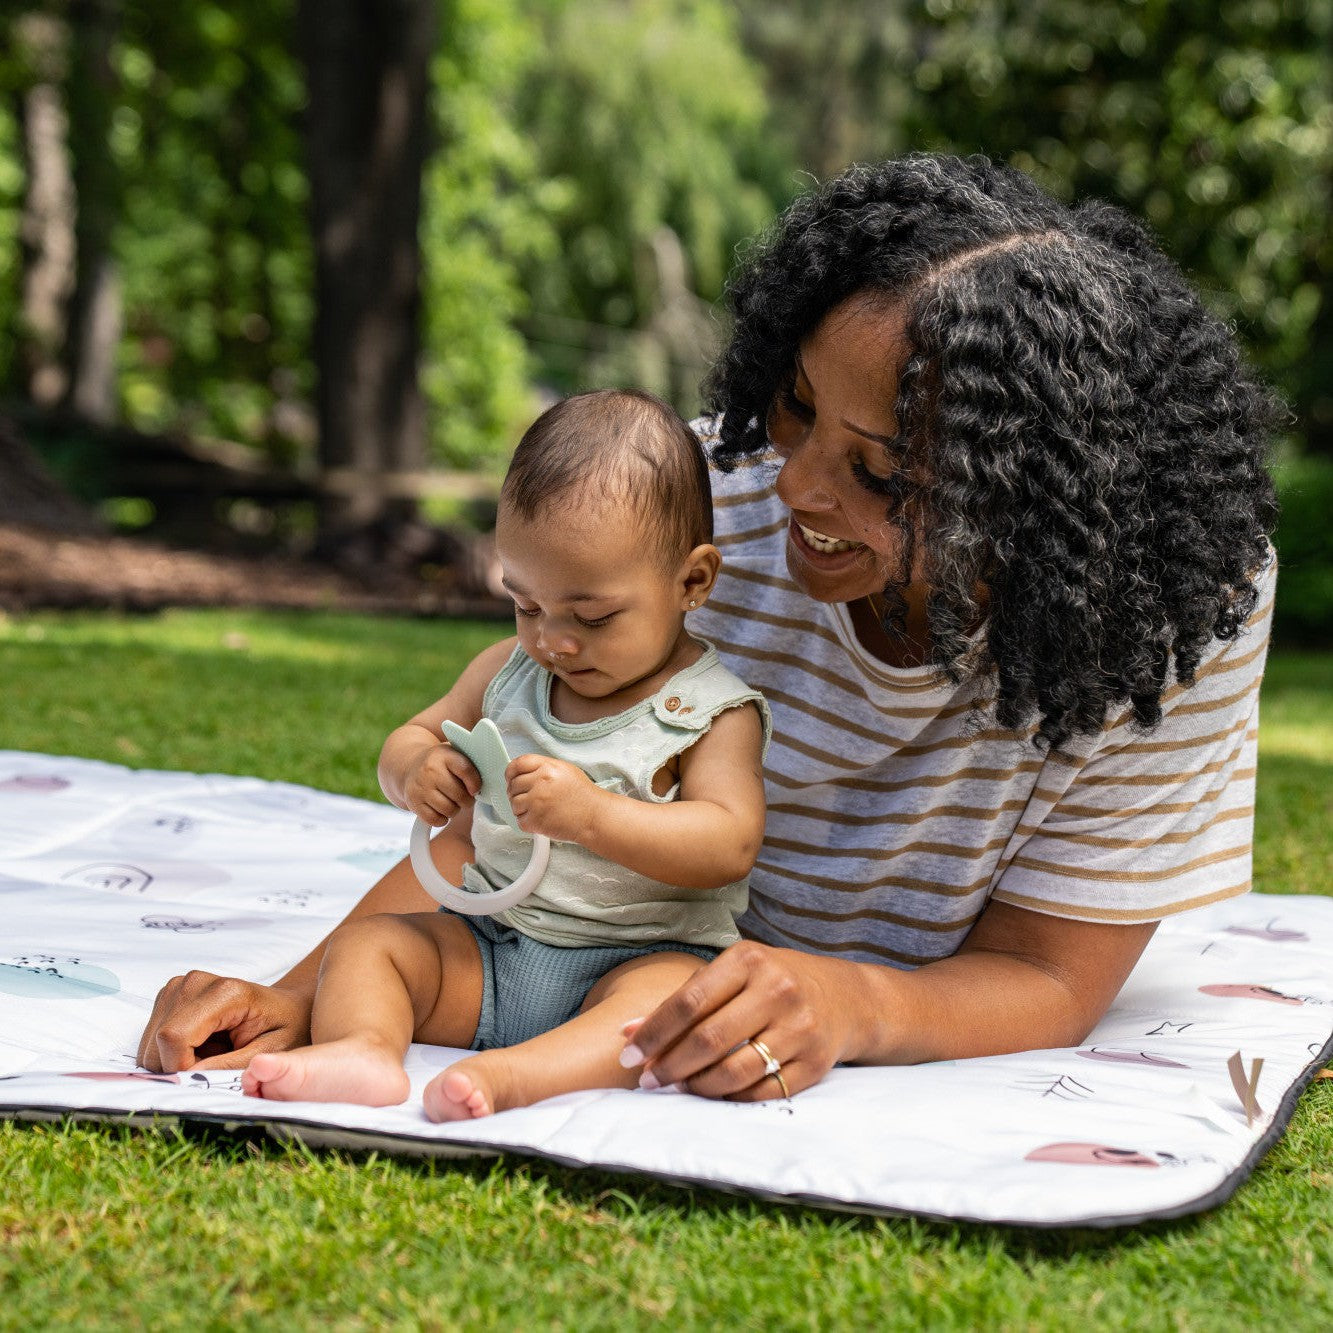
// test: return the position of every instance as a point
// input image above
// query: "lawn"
(107, 1228)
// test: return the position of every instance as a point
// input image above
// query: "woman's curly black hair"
(1090, 447)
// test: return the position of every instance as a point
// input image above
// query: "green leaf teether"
(484, 746)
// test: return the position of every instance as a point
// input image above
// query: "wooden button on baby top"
(671, 704)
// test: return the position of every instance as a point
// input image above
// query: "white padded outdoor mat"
(112, 880)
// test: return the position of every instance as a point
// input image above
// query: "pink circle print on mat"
(37, 784)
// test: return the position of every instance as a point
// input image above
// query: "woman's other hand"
(1021, 981)
(203, 1021)
(797, 1006)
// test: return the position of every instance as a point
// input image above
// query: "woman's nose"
(801, 480)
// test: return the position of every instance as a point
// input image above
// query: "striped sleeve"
(1151, 824)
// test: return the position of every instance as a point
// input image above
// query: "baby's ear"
(698, 574)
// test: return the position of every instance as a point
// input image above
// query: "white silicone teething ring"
(474, 904)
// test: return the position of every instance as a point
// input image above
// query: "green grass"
(109, 1228)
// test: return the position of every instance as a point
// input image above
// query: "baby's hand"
(551, 797)
(441, 783)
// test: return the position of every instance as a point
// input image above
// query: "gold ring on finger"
(782, 1083)
(771, 1063)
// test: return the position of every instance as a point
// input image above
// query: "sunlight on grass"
(300, 697)
(1293, 850)
(1296, 710)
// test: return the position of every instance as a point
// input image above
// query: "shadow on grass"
(1296, 672)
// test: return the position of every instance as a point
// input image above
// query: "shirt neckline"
(916, 679)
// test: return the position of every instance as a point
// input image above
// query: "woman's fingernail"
(649, 1080)
(633, 1023)
(631, 1057)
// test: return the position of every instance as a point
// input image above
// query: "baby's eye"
(598, 623)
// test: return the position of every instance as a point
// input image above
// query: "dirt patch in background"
(40, 569)
(57, 553)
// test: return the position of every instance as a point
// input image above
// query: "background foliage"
(597, 166)
(212, 240)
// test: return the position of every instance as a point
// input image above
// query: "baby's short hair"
(620, 445)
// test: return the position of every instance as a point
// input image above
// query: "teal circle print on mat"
(57, 979)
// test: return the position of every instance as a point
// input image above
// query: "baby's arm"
(419, 770)
(710, 836)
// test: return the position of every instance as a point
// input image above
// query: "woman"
(992, 501)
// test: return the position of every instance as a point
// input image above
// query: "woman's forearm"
(960, 1007)
(1022, 981)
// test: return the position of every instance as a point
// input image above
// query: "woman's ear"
(698, 574)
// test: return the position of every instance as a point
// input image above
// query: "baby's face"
(592, 601)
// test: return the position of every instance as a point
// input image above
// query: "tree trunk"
(367, 65)
(30, 495)
(46, 229)
(95, 305)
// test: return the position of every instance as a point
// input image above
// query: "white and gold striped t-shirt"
(894, 815)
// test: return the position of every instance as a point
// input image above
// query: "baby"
(639, 757)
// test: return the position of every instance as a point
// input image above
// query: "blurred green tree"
(93, 337)
(213, 239)
(60, 81)
(839, 91)
(486, 218)
(36, 74)
(1212, 121)
(367, 134)
(597, 166)
(650, 124)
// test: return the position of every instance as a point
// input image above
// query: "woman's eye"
(791, 403)
(595, 624)
(526, 610)
(876, 485)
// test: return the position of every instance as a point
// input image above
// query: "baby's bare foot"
(337, 1071)
(470, 1089)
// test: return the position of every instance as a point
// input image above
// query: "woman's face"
(836, 433)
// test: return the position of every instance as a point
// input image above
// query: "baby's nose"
(556, 644)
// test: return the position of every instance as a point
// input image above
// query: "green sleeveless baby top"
(584, 900)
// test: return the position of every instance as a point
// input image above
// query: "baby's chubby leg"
(583, 1053)
(383, 981)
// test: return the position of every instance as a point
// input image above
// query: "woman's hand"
(202, 1021)
(802, 1008)
(1021, 981)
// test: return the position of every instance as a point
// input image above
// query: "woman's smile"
(822, 542)
(822, 552)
